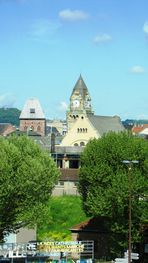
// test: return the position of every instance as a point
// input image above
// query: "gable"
(32, 110)
(81, 132)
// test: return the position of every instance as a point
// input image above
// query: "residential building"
(6, 129)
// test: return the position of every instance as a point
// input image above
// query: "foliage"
(64, 212)
(10, 115)
(104, 183)
(27, 177)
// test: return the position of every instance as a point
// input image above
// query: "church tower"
(80, 102)
(32, 117)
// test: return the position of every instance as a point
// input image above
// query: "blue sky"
(46, 44)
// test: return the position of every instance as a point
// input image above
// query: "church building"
(82, 126)
(82, 123)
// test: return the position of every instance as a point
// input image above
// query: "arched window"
(38, 128)
(75, 144)
(82, 144)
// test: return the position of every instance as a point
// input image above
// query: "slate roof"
(52, 129)
(32, 110)
(6, 128)
(3, 127)
(27, 133)
(104, 124)
(80, 87)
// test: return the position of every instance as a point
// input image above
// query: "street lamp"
(129, 164)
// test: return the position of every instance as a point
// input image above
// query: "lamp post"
(129, 164)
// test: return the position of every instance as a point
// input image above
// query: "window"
(84, 130)
(59, 163)
(32, 110)
(74, 164)
(76, 144)
(82, 144)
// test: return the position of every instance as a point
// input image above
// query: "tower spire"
(80, 102)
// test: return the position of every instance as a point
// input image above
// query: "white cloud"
(43, 29)
(7, 100)
(102, 38)
(137, 70)
(73, 15)
(63, 106)
(145, 27)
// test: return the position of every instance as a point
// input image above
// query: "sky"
(46, 44)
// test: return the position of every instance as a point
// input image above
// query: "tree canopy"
(104, 183)
(10, 115)
(27, 177)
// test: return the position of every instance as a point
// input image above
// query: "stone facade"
(32, 118)
(38, 126)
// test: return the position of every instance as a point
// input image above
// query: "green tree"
(27, 177)
(104, 185)
(10, 115)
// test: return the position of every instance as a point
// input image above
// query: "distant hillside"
(10, 115)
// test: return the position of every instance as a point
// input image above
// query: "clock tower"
(80, 103)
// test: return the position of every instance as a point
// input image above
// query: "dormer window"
(32, 110)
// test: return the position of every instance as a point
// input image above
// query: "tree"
(10, 115)
(104, 185)
(27, 177)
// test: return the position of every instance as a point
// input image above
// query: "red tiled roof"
(137, 129)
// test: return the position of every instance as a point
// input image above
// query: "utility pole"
(129, 164)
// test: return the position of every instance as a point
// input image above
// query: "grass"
(64, 212)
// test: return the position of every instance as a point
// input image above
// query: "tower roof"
(32, 110)
(80, 87)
